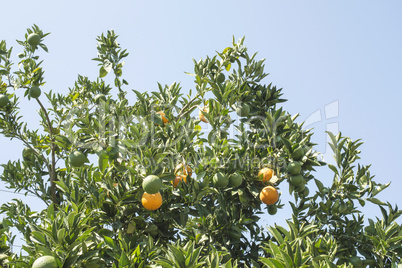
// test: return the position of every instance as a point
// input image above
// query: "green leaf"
(124, 261)
(319, 184)
(270, 262)
(376, 201)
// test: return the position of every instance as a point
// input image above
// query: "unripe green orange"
(77, 159)
(220, 180)
(33, 39)
(45, 262)
(235, 180)
(34, 92)
(152, 184)
(294, 168)
(4, 100)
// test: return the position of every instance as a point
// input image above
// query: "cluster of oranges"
(152, 199)
(269, 195)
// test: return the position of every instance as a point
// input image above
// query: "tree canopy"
(159, 181)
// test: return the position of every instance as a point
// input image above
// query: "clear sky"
(339, 62)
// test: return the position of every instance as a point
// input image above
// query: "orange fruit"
(179, 178)
(269, 195)
(151, 201)
(180, 169)
(164, 119)
(202, 116)
(265, 174)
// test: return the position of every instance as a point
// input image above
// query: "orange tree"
(96, 151)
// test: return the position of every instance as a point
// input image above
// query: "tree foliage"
(94, 216)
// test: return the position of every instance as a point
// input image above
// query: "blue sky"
(339, 62)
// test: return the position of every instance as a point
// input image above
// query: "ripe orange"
(269, 195)
(164, 119)
(202, 116)
(180, 169)
(151, 201)
(179, 178)
(265, 174)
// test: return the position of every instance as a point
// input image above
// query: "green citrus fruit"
(220, 78)
(301, 187)
(33, 39)
(45, 262)
(100, 97)
(152, 184)
(243, 110)
(298, 153)
(77, 159)
(34, 92)
(294, 168)
(28, 154)
(296, 180)
(356, 261)
(220, 180)
(235, 180)
(272, 209)
(4, 100)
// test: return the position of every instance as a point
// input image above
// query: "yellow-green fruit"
(45, 262)
(243, 110)
(33, 39)
(298, 153)
(34, 92)
(220, 180)
(220, 78)
(272, 209)
(152, 184)
(3, 100)
(294, 167)
(235, 180)
(77, 159)
(296, 180)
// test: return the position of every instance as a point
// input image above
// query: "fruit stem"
(52, 168)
